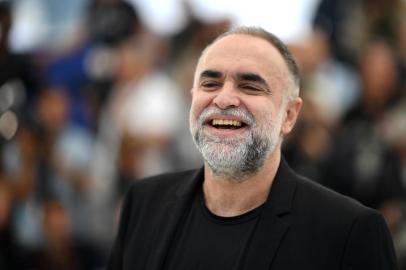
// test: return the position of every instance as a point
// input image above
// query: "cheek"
(265, 119)
(266, 115)
(200, 101)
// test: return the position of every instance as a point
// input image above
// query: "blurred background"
(94, 94)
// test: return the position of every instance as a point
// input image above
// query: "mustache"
(245, 116)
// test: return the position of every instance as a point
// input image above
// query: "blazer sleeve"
(369, 244)
(115, 261)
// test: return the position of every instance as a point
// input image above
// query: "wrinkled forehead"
(242, 53)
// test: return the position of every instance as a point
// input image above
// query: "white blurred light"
(101, 62)
(29, 25)
(288, 19)
(6, 97)
(12, 94)
(39, 23)
(8, 125)
(215, 10)
(164, 17)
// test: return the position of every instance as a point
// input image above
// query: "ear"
(291, 114)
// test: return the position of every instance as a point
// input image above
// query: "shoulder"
(326, 204)
(147, 196)
(361, 232)
(161, 185)
(364, 236)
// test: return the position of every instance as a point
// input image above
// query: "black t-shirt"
(206, 241)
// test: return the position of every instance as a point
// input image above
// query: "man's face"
(238, 107)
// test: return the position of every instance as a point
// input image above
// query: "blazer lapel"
(270, 231)
(272, 226)
(171, 215)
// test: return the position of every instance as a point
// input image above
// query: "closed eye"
(253, 89)
(250, 87)
(210, 85)
(253, 83)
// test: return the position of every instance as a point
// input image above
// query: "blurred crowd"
(79, 122)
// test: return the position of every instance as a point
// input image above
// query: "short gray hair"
(278, 44)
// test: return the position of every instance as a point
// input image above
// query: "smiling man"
(245, 209)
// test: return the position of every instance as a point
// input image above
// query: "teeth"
(226, 122)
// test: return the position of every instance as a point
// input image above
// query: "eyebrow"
(211, 74)
(253, 77)
(244, 76)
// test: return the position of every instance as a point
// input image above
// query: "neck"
(227, 198)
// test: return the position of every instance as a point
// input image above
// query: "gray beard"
(234, 160)
(238, 158)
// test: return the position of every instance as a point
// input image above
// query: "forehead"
(244, 53)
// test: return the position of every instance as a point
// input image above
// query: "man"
(246, 209)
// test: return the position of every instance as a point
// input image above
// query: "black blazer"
(303, 226)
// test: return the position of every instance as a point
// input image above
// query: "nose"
(227, 97)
